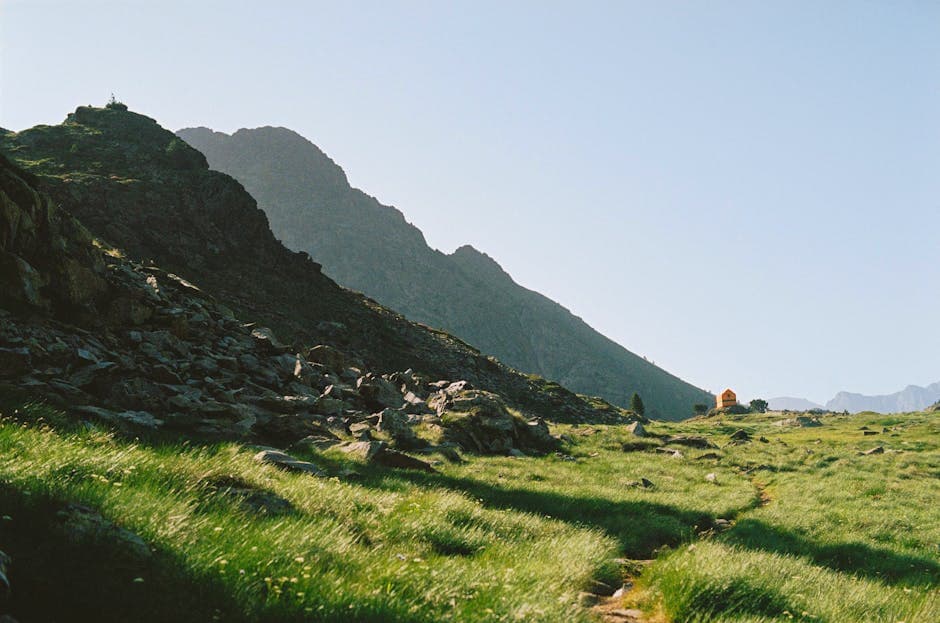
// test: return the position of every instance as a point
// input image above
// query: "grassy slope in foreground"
(844, 537)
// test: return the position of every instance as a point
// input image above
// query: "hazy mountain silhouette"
(370, 247)
(911, 398)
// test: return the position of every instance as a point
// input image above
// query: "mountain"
(786, 403)
(911, 398)
(141, 189)
(370, 247)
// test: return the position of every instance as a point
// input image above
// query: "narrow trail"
(611, 609)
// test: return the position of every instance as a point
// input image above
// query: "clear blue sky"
(747, 193)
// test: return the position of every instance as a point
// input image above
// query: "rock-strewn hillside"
(147, 192)
(370, 247)
(141, 349)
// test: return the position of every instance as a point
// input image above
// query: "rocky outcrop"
(146, 351)
(142, 189)
(370, 247)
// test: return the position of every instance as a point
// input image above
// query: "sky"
(746, 193)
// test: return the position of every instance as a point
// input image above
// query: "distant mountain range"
(370, 247)
(911, 398)
(787, 403)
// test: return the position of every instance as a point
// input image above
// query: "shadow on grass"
(61, 575)
(640, 527)
(854, 558)
(735, 598)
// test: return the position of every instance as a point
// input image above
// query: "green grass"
(843, 538)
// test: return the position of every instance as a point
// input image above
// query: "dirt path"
(611, 609)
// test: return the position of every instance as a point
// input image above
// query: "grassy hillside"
(370, 247)
(815, 531)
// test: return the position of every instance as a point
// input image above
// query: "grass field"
(815, 531)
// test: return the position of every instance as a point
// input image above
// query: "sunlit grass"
(843, 538)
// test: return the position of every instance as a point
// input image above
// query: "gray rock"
(86, 375)
(284, 461)
(379, 393)
(266, 340)
(327, 356)
(361, 431)
(14, 361)
(330, 406)
(81, 523)
(137, 419)
(637, 429)
(365, 450)
(394, 422)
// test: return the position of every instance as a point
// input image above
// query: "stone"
(394, 422)
(82, 523)
(711, 477)
(317, 442)
(379, 393)
(284, 461)
(637, 429)
(588, 600)
(740, 435)
(266, 340)
(86, 375)
(136, 419)
(21, 283)
(285, 430)
(700, 443)
(875, 450)
(5, 563)
(361, 431)
(330, 406)
(14, 361)
(252, 499)
(365, 450)
(670, 451)
(392, 458)
(327, 356)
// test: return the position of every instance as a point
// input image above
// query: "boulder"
(327, 356)
(637, 429)
(378, 393)
(394, 423)
(740, 435)
(690, 441)
(479, 421)
(14, 361)
(284, 430)
(81, 523)
(378, 452)
(266, 340)
(284, 461)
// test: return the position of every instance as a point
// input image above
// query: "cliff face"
(370, 247)
(142, 189)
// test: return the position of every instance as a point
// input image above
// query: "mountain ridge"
(146, 191)
(372, 248)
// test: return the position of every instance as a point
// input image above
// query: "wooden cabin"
(726, 398)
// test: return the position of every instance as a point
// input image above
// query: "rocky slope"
(370, 247)
(147, 192)
(144, 350)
